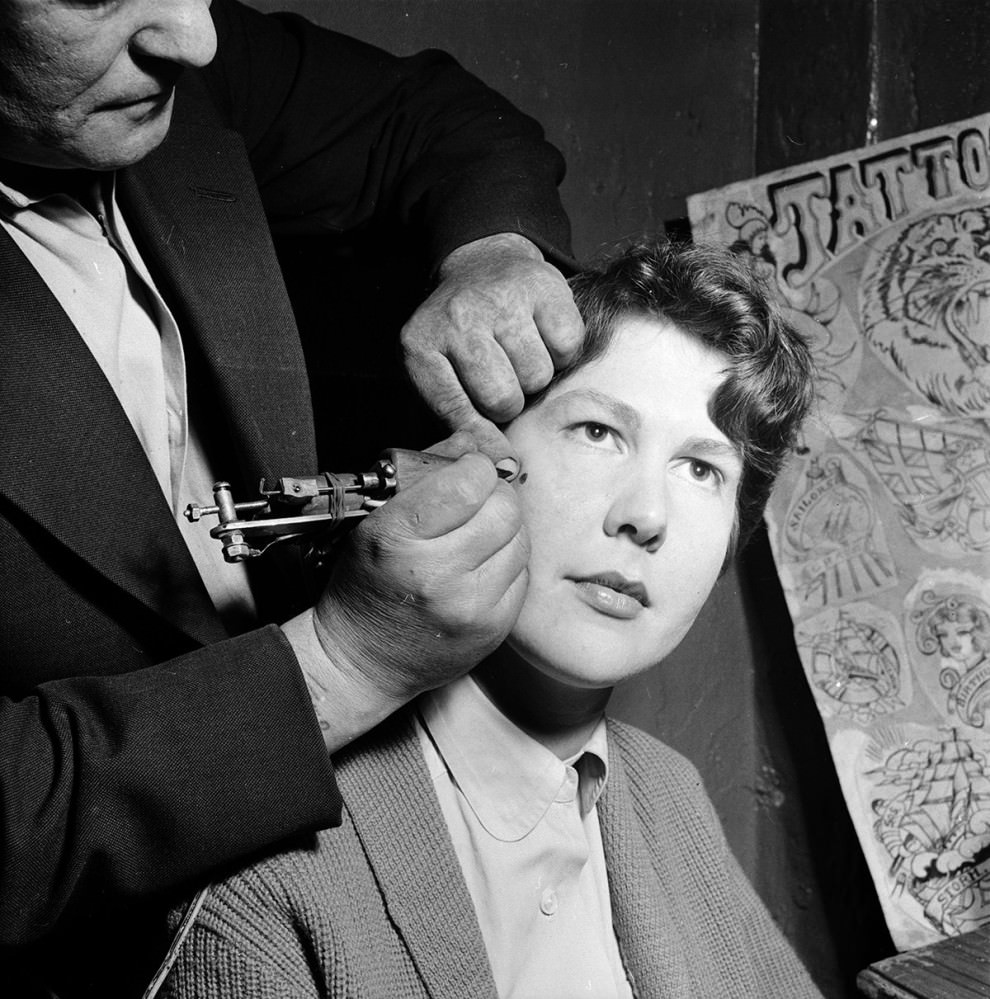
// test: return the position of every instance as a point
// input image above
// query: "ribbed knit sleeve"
(369, 910)
(243, 943)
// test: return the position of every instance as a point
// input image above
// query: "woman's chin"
(568, 660)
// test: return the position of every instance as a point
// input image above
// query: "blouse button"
(548, 903)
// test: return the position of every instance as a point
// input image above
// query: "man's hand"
(499, 322)
(423, 589)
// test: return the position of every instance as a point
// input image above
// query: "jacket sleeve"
(340, 133)
(118, 787)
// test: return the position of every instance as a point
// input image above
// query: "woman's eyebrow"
(620, 410)
(710, 447)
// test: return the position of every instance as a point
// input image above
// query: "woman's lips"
(610, 593)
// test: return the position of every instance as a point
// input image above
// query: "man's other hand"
(422, 590)
(499, 322)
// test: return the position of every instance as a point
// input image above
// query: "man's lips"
(612, 594)
(156, 97)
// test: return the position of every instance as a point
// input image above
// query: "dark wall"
(647, 100)
(652, 100)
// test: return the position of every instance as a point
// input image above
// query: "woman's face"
(957, 640)
(628, 491)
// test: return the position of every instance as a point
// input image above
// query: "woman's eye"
(701, 471)
(596, 432)
(595, 436)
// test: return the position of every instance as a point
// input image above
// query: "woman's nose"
(639, 511)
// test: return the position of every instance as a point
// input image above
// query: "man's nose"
(178, 31)
(638, 510)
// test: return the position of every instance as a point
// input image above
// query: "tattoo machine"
(309, 506)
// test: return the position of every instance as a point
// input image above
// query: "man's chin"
(127, 146)
(114, 140)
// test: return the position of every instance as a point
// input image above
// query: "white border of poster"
(880, 524)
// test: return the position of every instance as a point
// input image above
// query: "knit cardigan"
(378, 908)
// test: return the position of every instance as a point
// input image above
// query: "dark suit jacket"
(142, 747)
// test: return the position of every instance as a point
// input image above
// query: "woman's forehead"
(644, 351)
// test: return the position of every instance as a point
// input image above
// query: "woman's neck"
(556, 714)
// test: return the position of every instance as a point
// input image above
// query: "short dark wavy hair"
(716, 297)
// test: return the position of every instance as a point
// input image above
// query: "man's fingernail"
(507, 468)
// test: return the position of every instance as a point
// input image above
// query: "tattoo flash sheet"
(880, 523)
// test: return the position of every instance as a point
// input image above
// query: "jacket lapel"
(71, 459)
(203, 232)
(73, 463)
(405, 837)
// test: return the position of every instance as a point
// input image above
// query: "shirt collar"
(12, 199)
(18, 196)
(508, 779)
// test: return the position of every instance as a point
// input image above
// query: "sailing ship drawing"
(932, 817)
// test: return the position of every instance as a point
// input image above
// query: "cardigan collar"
(439, 926)
(423, 888)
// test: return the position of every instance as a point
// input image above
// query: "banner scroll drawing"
(880, 524)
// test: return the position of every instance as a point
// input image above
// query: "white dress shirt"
(524, 825)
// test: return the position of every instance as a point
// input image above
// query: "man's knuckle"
(535, 372)
(468, 308)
